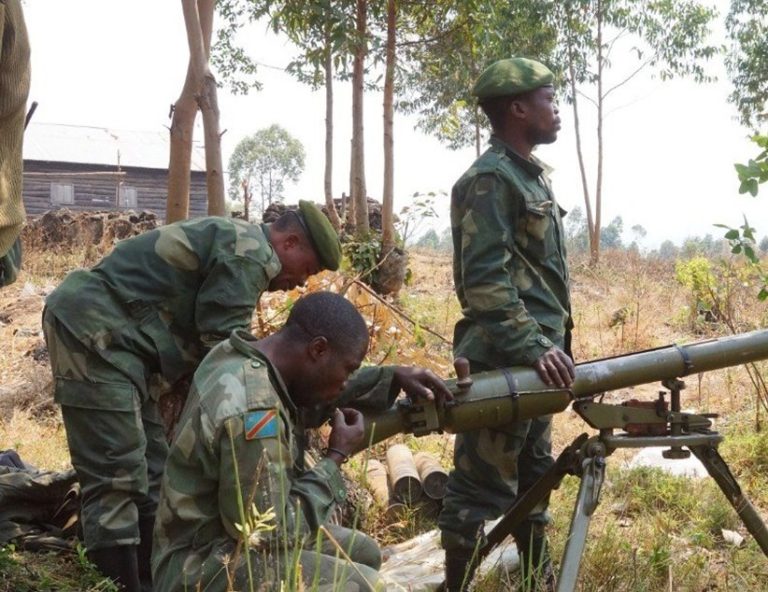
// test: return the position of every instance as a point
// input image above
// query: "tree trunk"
(179, 165)
(359, 194)
(198, 19)
(477, 132)
(246, 200)
(387, 198)
(594, 251)
(214, 179)
(579, 150)
(333, 215)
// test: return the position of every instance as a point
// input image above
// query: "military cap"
(321, 234)
(511, 76)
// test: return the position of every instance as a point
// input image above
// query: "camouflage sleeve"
(488, 218)
(263, 466)
(370, 388)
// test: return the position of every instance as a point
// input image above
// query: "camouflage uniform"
(512, 282)
(241, 434)
(122, 333)
(14, 90)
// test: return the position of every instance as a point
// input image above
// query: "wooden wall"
(95, 187)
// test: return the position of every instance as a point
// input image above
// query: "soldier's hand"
(555, 368)
(421, 383)
(347, 433)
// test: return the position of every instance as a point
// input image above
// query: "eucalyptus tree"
(322, 31)
(670, 39)
(747, 60)
(448, 44)
(199, 94)
(265, 161)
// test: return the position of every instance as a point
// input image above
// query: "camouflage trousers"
(318, 566)
(115, 437)
(10, 263)
(491, 467)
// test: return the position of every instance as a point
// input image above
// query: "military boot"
(144, 552)
(536, 573)
(119, 564)
(460, 566)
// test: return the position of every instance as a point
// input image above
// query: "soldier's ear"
(291, 240)
(318, 348)
(518, 108)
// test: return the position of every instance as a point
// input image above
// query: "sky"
(669, 146)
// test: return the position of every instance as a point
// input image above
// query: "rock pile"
(67, 230)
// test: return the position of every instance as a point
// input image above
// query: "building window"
(62, 194)
(127, 196)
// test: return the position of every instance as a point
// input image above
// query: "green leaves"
(755, 172)
(742, 242)
(747, 61)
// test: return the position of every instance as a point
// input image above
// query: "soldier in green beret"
(511, 279)
(123, 333)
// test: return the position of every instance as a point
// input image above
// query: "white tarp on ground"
(416, 565)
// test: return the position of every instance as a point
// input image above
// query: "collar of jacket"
(533, 167)
(244, 342)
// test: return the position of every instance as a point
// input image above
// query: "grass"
(49, 572)
(650, 533)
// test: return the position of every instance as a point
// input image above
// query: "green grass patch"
(22, 571)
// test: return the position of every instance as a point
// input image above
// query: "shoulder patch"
(260, 424)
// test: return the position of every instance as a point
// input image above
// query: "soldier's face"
(326, 376)
(543, 115)
(298, 261)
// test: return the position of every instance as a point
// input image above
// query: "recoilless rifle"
(491, 399)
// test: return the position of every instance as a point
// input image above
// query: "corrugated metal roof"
(57, 142)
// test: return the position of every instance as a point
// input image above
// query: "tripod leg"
(718, 469)
(592, 477)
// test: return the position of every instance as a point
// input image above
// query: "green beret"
(322, 235)
(512, 76)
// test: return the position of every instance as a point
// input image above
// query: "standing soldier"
(14, 90)
(512, 282)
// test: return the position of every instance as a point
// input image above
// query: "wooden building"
(94, 168)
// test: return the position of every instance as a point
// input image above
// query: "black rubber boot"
(144, 552)
(460, 566)
(119, 564)
(536, 573)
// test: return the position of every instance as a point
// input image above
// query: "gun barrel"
(501, 396)
(672, 361)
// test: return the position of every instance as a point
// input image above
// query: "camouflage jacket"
(239, 432)
(509, 264)
(14, 91)
(166, 296)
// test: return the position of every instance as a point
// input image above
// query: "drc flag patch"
(261, 424)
